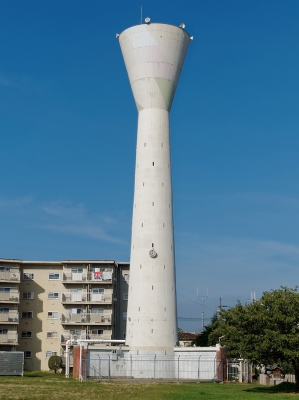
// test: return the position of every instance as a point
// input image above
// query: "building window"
(28, 295)
(53, 295)
(3, 331)
(52, 334)
(27, 354)
(126, 277)
(124, 335)
(26, 334)
(97, 331)
(51, 353)
(75, 331)
(28, 276)
(52, 314)
(97, 310)
(27, 314)
(78, 270)
(125, 315)
(125, 296)
(98, 290)
(53, 276)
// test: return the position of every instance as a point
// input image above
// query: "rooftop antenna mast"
(202, 300)
(253, 297)
(140, 15)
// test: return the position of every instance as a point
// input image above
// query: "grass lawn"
(48, 386)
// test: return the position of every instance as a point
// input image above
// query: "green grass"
(48, 386)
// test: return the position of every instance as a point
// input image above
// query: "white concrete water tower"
(154, 54)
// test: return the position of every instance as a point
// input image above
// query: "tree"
(55, 363)
(266, 331)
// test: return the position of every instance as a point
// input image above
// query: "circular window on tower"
(153, 253)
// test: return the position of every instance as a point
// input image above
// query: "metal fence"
(11, 363)
(239, 370)
(178, 368)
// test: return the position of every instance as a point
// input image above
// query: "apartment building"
(43, 304)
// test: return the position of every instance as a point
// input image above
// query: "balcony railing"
(98, 277)
(63, 357)
(68, 336)
(9, 317)
(84, 297)
(8, 338)
(9, 276)
(93, 318)
(10, 296)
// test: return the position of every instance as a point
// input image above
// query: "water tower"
(154, 54)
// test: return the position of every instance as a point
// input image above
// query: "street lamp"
(220, 337)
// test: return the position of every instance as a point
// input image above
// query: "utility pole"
(220, 305)
(202, 300)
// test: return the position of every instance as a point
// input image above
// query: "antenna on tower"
(140, 15)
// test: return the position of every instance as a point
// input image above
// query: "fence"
(239, 370)
(11, 362)
(275, 380)
(177, 368)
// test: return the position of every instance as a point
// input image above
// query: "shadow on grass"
(42, 374)
(284, 387)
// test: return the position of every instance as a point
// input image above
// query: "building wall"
(123, 279)
(43, 304)
(43, 328)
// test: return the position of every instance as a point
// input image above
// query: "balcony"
(84, 318)
(9, 297)
(10, 338)
(100, 277)
(84, 297)
(9, 276)
(9, 318)
(83, 336)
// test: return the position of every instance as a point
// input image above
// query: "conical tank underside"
(154, 55)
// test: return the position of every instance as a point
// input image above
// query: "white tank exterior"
(154, 55)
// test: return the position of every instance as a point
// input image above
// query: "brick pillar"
(76, 361)
(221, 357)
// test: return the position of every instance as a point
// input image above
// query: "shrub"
(55, 363)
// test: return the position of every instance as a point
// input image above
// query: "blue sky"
(68, 132)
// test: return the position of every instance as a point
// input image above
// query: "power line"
(196, 302)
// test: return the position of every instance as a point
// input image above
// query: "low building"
(186, 339)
